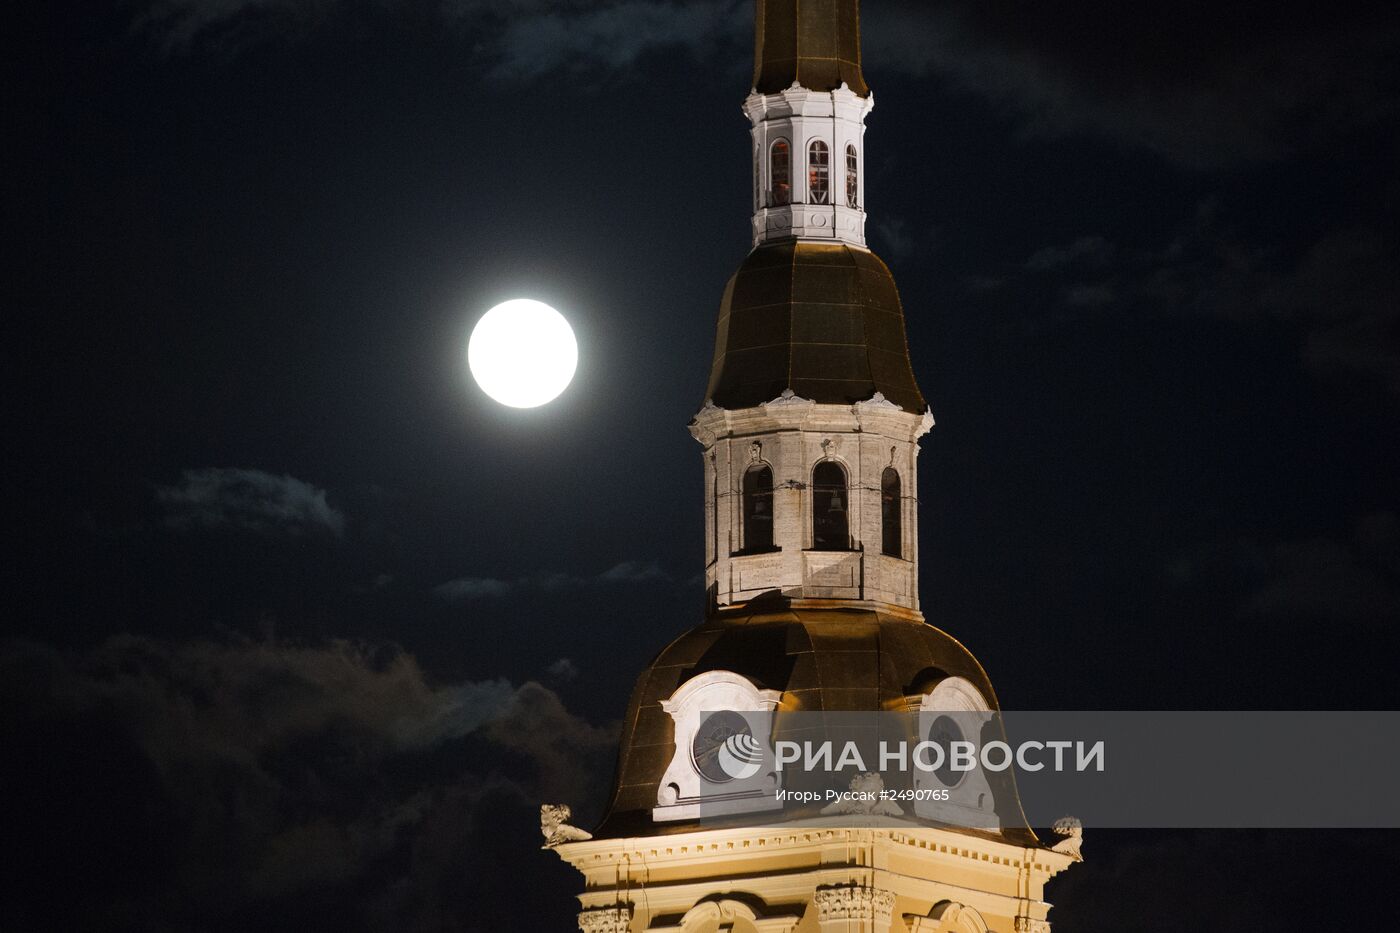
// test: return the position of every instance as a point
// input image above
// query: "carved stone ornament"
(554, 824)
(755, 452)
(878, 400)
(1030, 925)
(788, 397)
(865, 799)
(614, 919)
(1073, 832)
(853, 902)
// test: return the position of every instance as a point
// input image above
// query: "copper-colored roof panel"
(843, 324)
(828, 284)
(831, 361)
(884, 331)
(752, 329)
(822, 319)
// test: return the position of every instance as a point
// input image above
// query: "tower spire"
(812, 43)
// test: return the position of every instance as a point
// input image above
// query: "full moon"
(522, 353)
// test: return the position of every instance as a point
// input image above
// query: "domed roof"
(822, 319)
(819, 659)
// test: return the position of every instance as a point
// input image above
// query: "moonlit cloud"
(248, 499)
(466, 589)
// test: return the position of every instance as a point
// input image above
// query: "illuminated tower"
(809, 431)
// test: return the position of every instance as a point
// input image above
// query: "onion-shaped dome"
(821, 319)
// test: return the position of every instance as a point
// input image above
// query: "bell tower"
(807, 109)
(809, 434)
(811, 425)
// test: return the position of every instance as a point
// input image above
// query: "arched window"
(780, 172)
(830, 526)
(758, 509)
(891, 522)
(819, 172)
(852, 176)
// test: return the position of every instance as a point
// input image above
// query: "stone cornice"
(789, 412)
(725, 843)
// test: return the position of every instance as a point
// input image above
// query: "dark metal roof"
(827, 659)
(815, 43)
(822, 319)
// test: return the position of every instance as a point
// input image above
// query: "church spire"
(811, 43)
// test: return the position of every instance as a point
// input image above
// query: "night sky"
(302, 627)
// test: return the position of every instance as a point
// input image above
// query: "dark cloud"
(563, 669)
(611, 35)
(1093, 251)
(465, 589)
(1201, 84)
(1347, 580)
(633, 571)
(1342, 296)
(519, 39)
(1346, 292)
(247, 499)
(259, 772)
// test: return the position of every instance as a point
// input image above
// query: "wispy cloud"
(515, 39)
(252, 500)
(633, 571)
(1342, 295)
(1201, 85)
(466, 589)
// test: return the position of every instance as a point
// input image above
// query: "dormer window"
(819, 172)
(852, 177)
(758, 508)
(830, 519)
(780, 173)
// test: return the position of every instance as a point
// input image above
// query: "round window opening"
(724, 748)
(944, 732)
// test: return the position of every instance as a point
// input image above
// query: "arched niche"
(701, 780)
